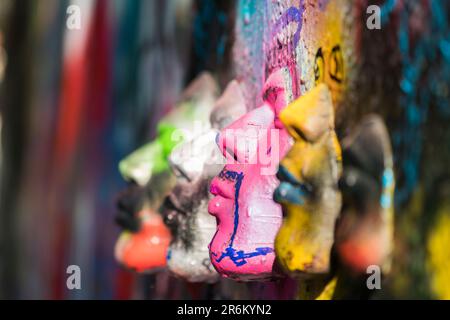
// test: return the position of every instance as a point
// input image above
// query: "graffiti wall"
(217, 149)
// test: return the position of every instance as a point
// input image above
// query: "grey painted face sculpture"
(185, 209)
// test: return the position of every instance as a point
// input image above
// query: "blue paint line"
(287, 193)
(292, 14)
(240, 257)
(236, 177)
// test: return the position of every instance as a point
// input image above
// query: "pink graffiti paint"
(247, 217)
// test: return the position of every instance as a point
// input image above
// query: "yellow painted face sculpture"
(308, 191)
(310, 172)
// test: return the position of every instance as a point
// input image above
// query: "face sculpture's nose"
(241, 141)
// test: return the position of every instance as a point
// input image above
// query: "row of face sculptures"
(221, 203)
(257, 195)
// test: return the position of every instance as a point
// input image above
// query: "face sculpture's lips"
(171, 204)
(184, 211)
(290, 190)
(224, 194)
(177, 217)
(172, 213)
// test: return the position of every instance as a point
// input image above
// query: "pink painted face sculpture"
(247, 217)
(195, 163)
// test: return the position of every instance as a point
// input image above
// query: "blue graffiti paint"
(292, 14)
(210, 34)
(237, 178)
(386, 10)
(387, 183)
(240, 257)
(282, 55)
(387, 179)
(323, 4)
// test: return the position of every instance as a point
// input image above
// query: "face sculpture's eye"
(336, 64)
(180, 173)
(169, 212)
(319, 66)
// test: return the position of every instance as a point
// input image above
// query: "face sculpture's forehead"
(326, 51)
(229, 107)
(316, 40)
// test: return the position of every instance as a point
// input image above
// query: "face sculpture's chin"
(184, 212)
(242, 248)
(132, 249)
(247, 217)
(188, 256)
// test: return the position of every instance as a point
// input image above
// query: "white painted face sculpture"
(185, 209)
(144, 243)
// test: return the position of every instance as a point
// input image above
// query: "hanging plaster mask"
(318, 201)
(364, 232)
(309, 174)
(185, 209)
(143, 246)
(308, 190)
(247, 217)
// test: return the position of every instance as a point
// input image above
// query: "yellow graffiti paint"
(326, 49)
